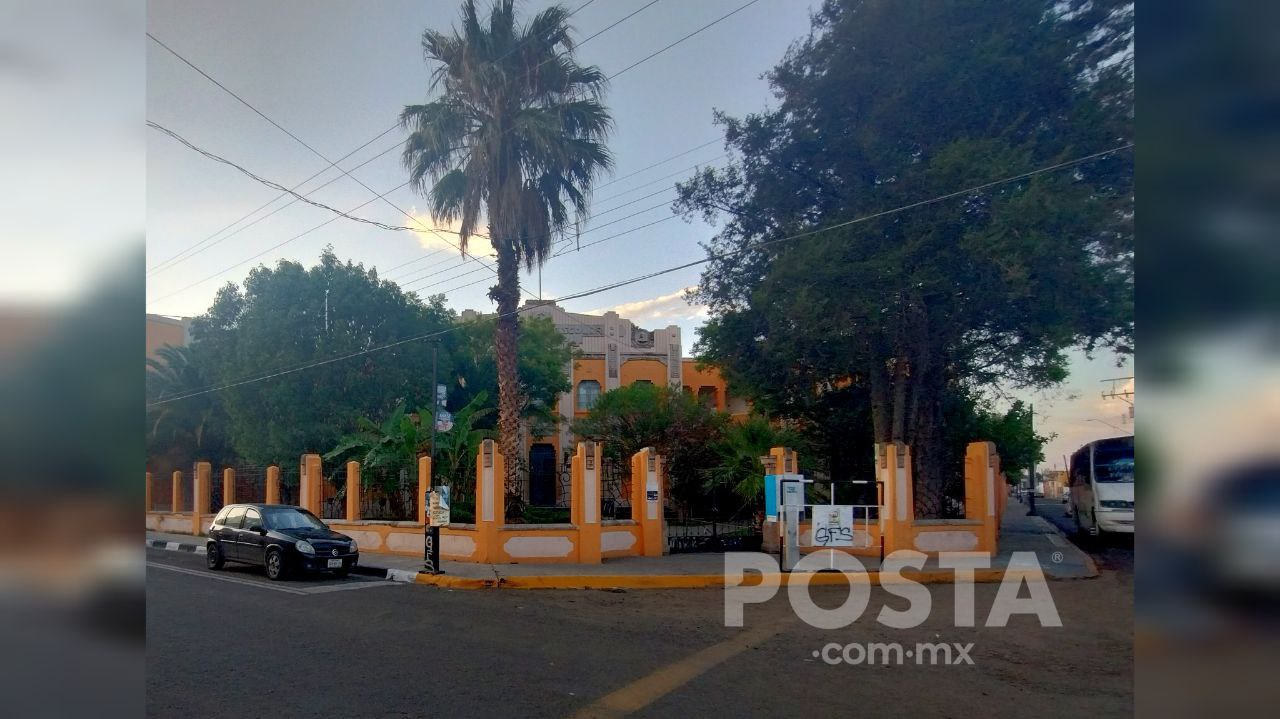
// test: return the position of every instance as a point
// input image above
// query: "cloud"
(661, 309)
(436, 236)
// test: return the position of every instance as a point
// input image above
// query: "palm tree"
(516, 134)
(190, 429)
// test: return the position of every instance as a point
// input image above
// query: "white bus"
(1102, 486)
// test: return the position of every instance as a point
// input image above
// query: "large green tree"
(544, 356)
(515, 135)
(883, 105)
(682, 429)
(325, 322)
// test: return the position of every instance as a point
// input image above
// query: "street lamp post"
(1031, 473)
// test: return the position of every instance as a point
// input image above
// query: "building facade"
(612, 352)
(164, 330)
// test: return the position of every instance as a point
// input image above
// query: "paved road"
(1109, 551)
(233, 644)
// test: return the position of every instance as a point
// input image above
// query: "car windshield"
(292, 519)
(1113, 461)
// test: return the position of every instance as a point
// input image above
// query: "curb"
(698, 581)
(1054, 529)
(174, 546)
(651, 581)
(391, 575)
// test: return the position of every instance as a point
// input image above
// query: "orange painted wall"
(163, 331)
(695, 379)
(637, 369)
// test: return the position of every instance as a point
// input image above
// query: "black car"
(279, 537)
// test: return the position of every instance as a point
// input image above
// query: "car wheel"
(1093, 523)
(213, 556)
(275, 564)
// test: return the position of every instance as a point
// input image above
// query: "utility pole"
(1031, 473)
(435, 401)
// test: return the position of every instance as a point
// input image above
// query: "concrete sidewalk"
(1058, 558)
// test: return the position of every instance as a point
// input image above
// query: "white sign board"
(833, 526)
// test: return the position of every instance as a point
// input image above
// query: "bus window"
(1113, 461)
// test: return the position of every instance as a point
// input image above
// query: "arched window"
(588, 393)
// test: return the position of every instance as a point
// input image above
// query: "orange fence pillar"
(981, 469)
(490, 510)
(176, 501)
(353, 491)
(646, 501)
(785, 460)
(228, 486)
(897, 498)
(311, 475)
(200, 496)
(585, 501)
(148, 496)
(273, 485)
(424, 486)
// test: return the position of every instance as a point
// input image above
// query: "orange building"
(164, 330)
(612, 352)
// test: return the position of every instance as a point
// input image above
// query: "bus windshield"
(1113, 460)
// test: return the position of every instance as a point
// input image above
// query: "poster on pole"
(833, 526)
(439, 506)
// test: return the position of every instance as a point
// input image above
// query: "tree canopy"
(884, 105)
(343, 330)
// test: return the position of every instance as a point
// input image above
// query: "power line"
(664, 177)
(300, 141)
(273, 185)
(660, 162)
(654, 54)
(276, 246)
(195, 249)
(186, 254)
(301, 198)
(686, 265)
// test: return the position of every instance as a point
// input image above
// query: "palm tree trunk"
(506, 343)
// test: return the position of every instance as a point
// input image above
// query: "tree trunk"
(928, 450)
(506, 345)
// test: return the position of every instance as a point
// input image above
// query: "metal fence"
(215, 490)
(162, 492)
(290, 480)
(251, 483)
(333, 494)
(390, 494)
(615, 489)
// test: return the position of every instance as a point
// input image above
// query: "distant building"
(1054, 481)
(164, 330)
(613, 352)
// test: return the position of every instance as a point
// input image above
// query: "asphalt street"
(234, 643)
(1111, 552)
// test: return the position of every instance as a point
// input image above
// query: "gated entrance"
(542, 475)
(720, 521)
(833, 521)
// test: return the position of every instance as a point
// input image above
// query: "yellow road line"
(646, 690)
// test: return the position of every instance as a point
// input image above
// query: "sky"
(336, 74)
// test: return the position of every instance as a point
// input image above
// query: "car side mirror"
(257, 528)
